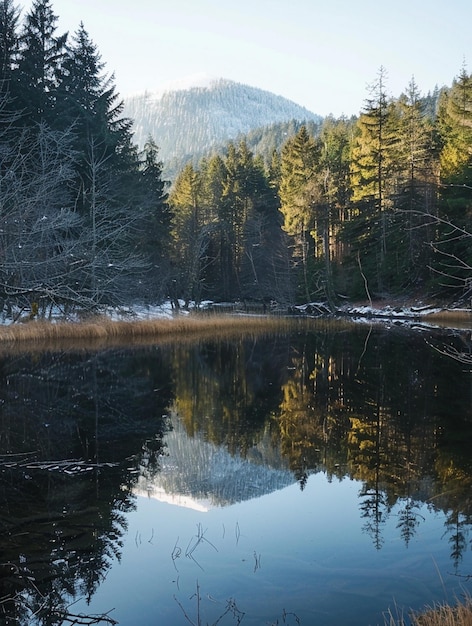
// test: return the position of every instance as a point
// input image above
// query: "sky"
(322, 54)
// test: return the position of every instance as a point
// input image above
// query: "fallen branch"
(67, 466)
(82, 619)
(64, 615)
(453, 353)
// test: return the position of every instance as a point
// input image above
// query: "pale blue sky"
(321, 54)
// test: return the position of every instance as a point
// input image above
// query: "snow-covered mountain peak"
(192, 116)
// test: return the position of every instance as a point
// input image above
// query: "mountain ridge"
(187, 122)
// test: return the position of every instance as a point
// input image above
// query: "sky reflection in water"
(290, 550)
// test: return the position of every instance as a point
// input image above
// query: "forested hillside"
(191, 122)
(368, 207)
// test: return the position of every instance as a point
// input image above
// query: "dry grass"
(450, 315)
(102, 332)
(446, 615)
(439, 615)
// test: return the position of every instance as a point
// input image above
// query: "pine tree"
(9, 115)
(331, 210)
(455, 123)
(415, 195)
(82, 86)
(213, 175)
(274, 170)
(453, 263)
(154, 225)
(40, 66)
(298, 193)
(89, 104)
(373, 179)
(189, 241)
(9, 44)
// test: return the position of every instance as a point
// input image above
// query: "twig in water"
(231, 608)
(87, 620)
(185, 612)
(366, 286)
(363, 351)
(285, 615)
(192, 547)
(176, 552)
(257, 559)
(439, 574)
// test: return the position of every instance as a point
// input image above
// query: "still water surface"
(318, 477)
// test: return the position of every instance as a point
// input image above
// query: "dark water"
(320, 477)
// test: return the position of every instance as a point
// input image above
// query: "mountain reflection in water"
(201, 475)
(340, 454)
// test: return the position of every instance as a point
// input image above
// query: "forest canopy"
(375, 206)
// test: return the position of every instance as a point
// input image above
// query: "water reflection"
(199, 474)
(377, 406)
(62, 522)
(209, 425)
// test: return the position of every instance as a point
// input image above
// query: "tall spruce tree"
(153, 227)
(331, 210)
(40, 66)
(453, 263)
(232, 215)
(212, 183)
(416, 189)
(373, 179)
(189, 241)
(455, 126)
(298, 193)
(89, 104)
(84, 215)
(9, 45)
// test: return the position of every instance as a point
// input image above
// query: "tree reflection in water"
(374, 405)
(249, 416)
(62, 523)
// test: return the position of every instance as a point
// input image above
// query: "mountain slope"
(189, 122)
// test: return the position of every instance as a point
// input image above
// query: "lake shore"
(164, 324)
(442, 315)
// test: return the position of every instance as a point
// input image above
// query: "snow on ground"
(142, 312)
(410, 314)
(417, 315)
(405, 312)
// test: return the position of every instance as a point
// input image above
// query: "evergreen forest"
(378, 205)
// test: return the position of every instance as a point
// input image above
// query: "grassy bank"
(450, 316)
(104, 328)
(102, 332)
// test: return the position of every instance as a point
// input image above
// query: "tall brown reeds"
(449, 316)
(102, 331)
(459, 614)
(446, 615)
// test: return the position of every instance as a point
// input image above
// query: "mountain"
(187, 122)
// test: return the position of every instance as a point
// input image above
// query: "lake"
(320, 476)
